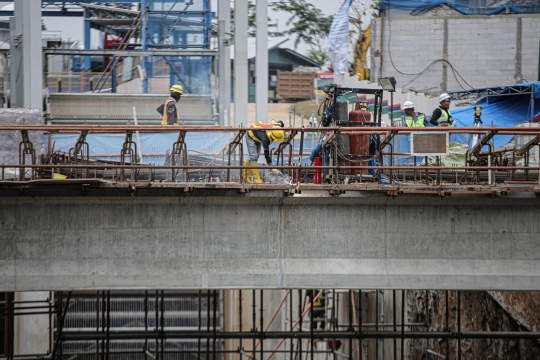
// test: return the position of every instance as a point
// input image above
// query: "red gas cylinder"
(359, 144)
(317, 161)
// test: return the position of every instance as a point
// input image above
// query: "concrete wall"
(122, 104)
(265, 240)
(485, 50)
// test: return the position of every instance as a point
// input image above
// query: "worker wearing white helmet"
(413, 118)
(441, 115)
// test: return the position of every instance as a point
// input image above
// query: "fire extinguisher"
(317, 161)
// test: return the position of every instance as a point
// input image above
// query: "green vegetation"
(309, 25)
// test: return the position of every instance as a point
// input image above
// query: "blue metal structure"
(166, 24)
(180, 24)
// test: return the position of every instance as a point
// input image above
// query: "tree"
(252, 26)
(309, 25)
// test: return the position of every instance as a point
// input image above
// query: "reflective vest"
(320, 300)
(445, 115)
(260, 125)
(165, 117)
(417, 121)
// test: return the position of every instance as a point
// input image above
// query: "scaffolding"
(242, 324)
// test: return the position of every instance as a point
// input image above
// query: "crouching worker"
(262, 134)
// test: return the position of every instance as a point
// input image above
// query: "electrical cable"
(420, 73)
(434, 62)
(390, 43)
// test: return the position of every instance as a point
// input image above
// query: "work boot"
(246, 172)
(256, 176)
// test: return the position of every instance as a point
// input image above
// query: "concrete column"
(15, 63)
(261, 62)
(240, 63)
(224, 61)
(31, 331)
(32, 64)
(144, 23)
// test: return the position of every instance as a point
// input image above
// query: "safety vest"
(319, 301)
(165, 116)
(445, 115)
(260, 125)
(417, 121)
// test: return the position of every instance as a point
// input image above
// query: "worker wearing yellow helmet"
(261, 135)
(168, 111)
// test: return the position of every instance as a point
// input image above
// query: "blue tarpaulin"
(461, 6)
(102, 146)
(502, 110)
(155, 145)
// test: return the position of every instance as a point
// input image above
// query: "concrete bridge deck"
(199, 236)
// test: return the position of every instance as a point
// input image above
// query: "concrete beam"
(265, 240)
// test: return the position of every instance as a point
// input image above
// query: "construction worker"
(441, 115)
(262, 134)
(413, 118)
(167, 110)
(318, 311)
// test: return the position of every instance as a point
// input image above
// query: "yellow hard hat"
(177, 89)
(277, 123)
(277, 135)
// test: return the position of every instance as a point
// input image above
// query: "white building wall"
(485, 50)
(531, 48)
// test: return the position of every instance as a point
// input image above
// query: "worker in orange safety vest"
(168, 111)
(261, 135)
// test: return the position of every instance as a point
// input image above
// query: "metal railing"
(483, 164)
(74, 82)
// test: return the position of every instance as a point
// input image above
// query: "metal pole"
(240, 63)
(261, 322)
(459, 323)
(254, 317)
(402, 324)
(240, 320)
(214, 321)
(261, 61)
(446, 328)
(199, 310)
(162, 333)
(394, 320)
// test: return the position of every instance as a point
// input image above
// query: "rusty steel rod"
(286, 167)
(357, 130)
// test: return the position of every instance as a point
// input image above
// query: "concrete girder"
(263, 239)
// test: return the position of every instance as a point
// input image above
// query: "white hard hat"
(443, 97)
(407, 105)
